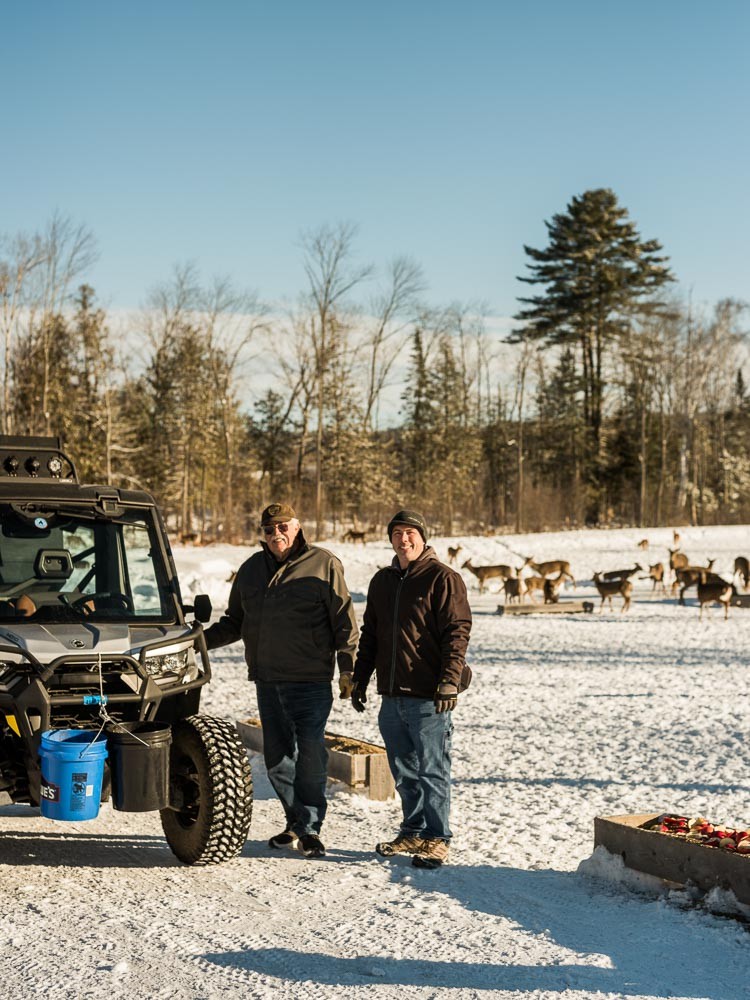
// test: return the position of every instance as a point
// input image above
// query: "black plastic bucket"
(139, 765)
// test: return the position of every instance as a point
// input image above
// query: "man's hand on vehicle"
(446, 698)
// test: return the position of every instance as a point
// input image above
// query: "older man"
(291, 607)
(414, 637)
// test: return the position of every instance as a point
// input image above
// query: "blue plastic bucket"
(72, 773)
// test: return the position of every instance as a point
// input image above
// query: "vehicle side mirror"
(202, 608)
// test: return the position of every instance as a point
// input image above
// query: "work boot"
(311, 845)
(285, 839)
(405, 843)
(434, 853)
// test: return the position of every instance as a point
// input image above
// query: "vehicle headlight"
(168, 663)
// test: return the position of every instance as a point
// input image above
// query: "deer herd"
(546, 579)
(550, 576)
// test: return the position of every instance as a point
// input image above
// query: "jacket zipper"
(395, 631)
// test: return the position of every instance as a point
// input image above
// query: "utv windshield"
(73, 564)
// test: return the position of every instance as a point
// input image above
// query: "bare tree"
(522, 368)
(230, 320)
(37, 276)
(65, 250)
(331, 276)
(21, 255)
(394, 309)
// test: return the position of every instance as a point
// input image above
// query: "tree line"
(622, 402)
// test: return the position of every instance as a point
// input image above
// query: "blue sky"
(217, 132)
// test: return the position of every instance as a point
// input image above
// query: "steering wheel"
(83, 604)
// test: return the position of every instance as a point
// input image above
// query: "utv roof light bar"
(23, 457)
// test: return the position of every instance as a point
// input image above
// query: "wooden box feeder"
(559, 608)
(673, 858)
(740, 601)
(362, 766)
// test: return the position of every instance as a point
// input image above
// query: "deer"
(622, 574)
(643, 544)
(552, 566)
(608, 588)
(712, 588)
(514, 588)
(534, 584)
(656, 573)
(676, 538)
(354, 536)
(742, 567)
(677, 559)
(453, 551)
(552, 588)
(688, 577)
(484, 573)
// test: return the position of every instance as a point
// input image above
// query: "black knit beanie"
(410, 517)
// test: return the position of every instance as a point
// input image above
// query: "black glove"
(446, 698)
(359, 697)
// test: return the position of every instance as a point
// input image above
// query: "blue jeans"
(418, 743)
(294, 719)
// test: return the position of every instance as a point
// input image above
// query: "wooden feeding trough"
(362, 766)
(559, 608)
(672, 858)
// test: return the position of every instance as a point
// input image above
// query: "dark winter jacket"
(416, 628)
(294, 616)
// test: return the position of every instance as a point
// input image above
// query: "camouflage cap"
(276, 513)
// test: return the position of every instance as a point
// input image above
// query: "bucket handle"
(106, 717)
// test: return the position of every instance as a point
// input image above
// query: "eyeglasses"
(270, 529)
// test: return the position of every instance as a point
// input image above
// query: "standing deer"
(355, 536)
(514, 588)
(677, 560)
(550, 567)
(742, 567)
(608, 588)
(656, 573)
(534, 584)
(643, 544)
(712, 588)
(453, 551)
(484, 573)
(552, 588)
(622, 574)
(688, 577)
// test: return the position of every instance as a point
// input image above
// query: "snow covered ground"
(569, 717)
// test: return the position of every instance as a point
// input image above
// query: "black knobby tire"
(211, 788)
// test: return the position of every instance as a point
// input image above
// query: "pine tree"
(594, 270)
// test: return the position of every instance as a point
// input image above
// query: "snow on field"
(569, 717)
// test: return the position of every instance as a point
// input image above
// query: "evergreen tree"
(594, 270)
(416, 440)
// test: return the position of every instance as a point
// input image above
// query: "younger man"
(414, 637)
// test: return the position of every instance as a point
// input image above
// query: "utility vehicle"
(93, 631)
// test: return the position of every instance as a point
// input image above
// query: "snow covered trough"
(362, 766)
(559, 608)
(672, 858)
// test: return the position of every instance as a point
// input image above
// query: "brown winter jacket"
(294, 617)
(416, 628)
